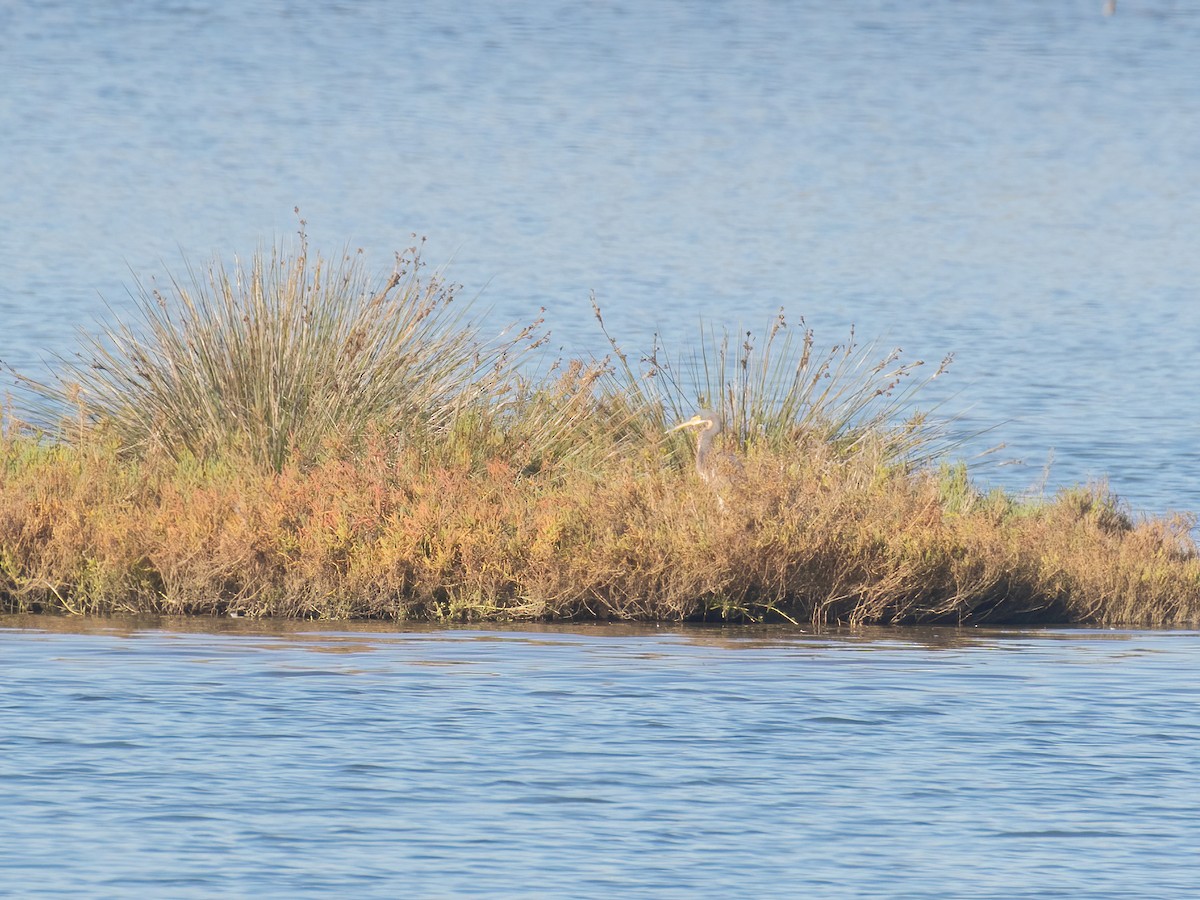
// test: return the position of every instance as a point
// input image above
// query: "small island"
(288, 437)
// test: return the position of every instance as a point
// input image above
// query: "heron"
(711, 428)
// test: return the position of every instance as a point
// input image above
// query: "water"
(1014, 182)
(161, 760)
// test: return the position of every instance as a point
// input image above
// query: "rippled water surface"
(1017, 182)
(165, 761)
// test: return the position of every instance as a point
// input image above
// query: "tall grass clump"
(781, 391)
(275, 357)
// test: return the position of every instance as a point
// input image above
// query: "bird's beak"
(694, 420)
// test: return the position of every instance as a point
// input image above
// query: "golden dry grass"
(813, 537)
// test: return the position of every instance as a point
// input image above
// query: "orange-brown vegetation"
(292, 439)
(809, 537)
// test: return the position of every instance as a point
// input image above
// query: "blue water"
(1017, 183)
(164, 761)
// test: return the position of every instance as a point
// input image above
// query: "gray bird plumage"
(710, 427)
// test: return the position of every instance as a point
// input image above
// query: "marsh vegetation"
(289, 436)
